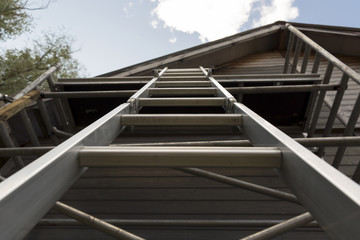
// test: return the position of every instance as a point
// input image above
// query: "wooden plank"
(10, 110)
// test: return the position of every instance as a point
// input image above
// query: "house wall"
(273, 62)
(163, 193)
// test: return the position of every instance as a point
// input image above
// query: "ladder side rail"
(220, 90)
(144, 91)
(44, 181)
(301, 169)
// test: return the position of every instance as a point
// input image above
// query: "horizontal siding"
(77, 233)
(270, 62)
(273, 62)
(164, 193)
(351, 92)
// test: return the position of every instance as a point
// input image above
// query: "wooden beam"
(10, 110)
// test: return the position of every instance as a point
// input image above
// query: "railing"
(30, 94)
(18, 104)
(33, 85)
(347, 74)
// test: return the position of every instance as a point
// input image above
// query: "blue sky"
(112, 34)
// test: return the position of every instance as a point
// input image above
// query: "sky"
(113, 34)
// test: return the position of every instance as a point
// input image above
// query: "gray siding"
(162, 193)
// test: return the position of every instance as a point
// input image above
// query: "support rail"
(347, 74)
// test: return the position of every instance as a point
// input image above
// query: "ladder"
(316, 185)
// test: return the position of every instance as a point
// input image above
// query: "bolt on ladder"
(300, 168)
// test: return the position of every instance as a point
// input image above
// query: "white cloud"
(277, 10)
(172, 40)
(214, 19)
(154, 23)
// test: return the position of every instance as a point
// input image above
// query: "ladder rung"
(183, 74)
(183, 78)
(182, 91)
(162, 102)
(183, 84)
(180, 157)
(181, 119)
(183, 70)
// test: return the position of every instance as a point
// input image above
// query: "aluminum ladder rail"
(179, 84)
(318, 186)
(44, 181)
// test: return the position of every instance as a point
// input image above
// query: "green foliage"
(20, 67)
(14, 19)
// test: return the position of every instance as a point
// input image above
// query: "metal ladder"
(44, 181)
(176, 88)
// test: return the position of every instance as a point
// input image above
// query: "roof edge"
(280, 24)
(182, 52)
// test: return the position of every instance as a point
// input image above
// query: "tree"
(19, 67)
(14, 17)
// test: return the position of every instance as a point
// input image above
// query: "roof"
(337, 40)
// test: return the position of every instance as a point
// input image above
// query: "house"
(222, 140)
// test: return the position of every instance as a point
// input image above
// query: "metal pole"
(242, 184)
(307, 142)
(37, 82)
(316, 64)
(174, 223)
(348, 131)
(4, 134)
(95, 222)
(284, 88)
(127, 93)
(331, 58)
(64, 118)
(47, 122)
(281, 228)
(29, 128)
(87, 219)
(24, 151)
(334, 110)
(296, 55)
(60, 133)
(310, 109)
(220, 78)
(289, 51)
(89, 94)
(306, 58)
(320, 100)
